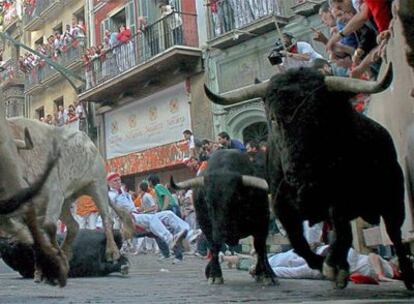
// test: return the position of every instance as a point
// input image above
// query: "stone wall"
(394, 110)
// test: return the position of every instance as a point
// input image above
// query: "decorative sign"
(157, 120)
(162, 157)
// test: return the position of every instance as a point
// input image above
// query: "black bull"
(232, 203)
(327, 162)
(88, 257)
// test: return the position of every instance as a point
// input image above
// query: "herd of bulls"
(319, 148)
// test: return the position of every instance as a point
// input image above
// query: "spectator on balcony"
(49, 119)
(22, 66)
(173, 29)
(62, 116)
(78, 30)
(297, 54)
(67, 36)
(57, 44)
(71, 114)
(81, 115)
(29, 7)
(88, 70)
(215, 17)
(50, 46)
(125, 52)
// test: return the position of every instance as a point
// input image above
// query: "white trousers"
(153, 223)
(172, 221)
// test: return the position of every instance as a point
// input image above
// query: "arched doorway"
(257, 131)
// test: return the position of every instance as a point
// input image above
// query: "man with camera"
(296, 54)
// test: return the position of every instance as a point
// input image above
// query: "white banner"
(150, 122)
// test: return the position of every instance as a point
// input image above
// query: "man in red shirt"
(379, 10)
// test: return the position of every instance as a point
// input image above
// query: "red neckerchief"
(294, 49)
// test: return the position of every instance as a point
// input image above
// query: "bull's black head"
(297, 94)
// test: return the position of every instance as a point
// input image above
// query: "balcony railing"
(226, 16)
(10, 73)
(177, 29)
(33, 9)
(43, 71)
(10, 15)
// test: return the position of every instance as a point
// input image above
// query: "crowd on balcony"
(8, 12)
(358, 33)
(29, 7)
(115, 55)
(227, 15)
(74, 113)
(56, 46)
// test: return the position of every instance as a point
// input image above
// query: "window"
(58, 102)
(80, 14)
(58, 28)
(39, 41)
(40, 113)
(118, 19)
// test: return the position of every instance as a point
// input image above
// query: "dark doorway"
(257, 131)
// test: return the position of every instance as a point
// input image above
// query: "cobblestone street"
(151, 281)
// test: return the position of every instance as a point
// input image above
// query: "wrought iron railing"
(10, 72)
(10, 15)
(73, 52)
(173, 30)
(32, 9)
(229, 15)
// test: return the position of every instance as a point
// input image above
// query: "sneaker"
(178, 238)
(163, 258)
(124, 269)
(198, 254)
(193, 235)
(221, 257)
(176, 261)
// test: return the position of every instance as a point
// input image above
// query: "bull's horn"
(256, 182)
(232, 97)
(342, 84)
(190, 183)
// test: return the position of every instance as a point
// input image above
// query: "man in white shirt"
(298, 53)
(189, 137)
(80, 113)
(149, 222)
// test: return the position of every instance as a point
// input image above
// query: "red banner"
(149, 160)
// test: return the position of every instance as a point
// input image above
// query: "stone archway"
(242, 116)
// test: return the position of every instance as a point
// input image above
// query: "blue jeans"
(165, 250)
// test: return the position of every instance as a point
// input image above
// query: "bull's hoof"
(215, 281)
(342, 279)
(329, 272)
(37, 276)
(267, 281)
(408, 285)
(112, 255)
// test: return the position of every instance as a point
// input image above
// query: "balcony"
(230, 25)
(43, 74)
(10, 17)
(10, 74)
(166, 47)
(307, 8)
(35, 12)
